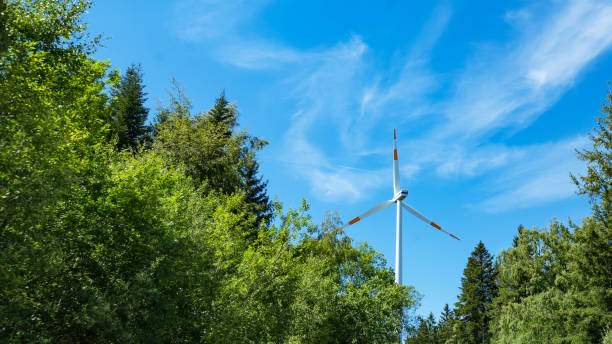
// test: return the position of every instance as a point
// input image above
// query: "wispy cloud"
(323, 89)
(541, 176)
(263, 55)
(504, 86)
(514, 84)
(198, 20)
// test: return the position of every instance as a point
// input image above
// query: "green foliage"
(608, 338)
(478, 288)
(105, 246)
(215, 156)
(128, 113)
(533, 264)
(3, 27)
(209, 157)
(446, 323)
(425, 332)
(224, 114)
(597, 183)
(553, 286)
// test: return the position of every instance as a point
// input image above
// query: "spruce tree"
(425, 331)
(128, 113)
(597, 183)
(478, 288)
(253, 184)
(224, 116)
(445, 325)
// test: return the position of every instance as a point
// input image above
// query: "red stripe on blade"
(453, 236)
(435, 225)
(354, 220)
(394, 133)
(395, 154)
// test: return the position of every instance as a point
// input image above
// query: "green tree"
(478, 288)
(52, 107)
(128, 112)
(597, 183)
(425, 331)
(224, 114)
(104, 246)
(216, 157)
(553, 286)
(446, 323)
(554, 283)
(3, 27)
(210, 158)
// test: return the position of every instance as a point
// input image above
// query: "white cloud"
(540, 176)
(511, 87)
(319, 88)
(262, 55)
(505, 89)
(505, 86)
(198, 20)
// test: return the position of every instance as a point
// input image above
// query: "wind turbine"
(399, 195)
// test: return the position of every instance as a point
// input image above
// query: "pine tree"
(478, 288)
(128, 111)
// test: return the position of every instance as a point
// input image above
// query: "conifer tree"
(445, 325)
(597, 183)
(478, 288)
(425, 332)
(253, 183)
(225, 116)
(128, 112)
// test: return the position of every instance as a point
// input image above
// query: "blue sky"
(489, 99)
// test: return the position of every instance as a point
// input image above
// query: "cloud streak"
(536, 181)
(513, 86)
(503, 87)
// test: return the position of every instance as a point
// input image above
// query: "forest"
(122, 224)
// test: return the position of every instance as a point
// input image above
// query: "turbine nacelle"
(400, 195)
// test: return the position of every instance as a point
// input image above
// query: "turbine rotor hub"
(400, 195)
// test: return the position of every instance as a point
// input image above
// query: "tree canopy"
(173, 241)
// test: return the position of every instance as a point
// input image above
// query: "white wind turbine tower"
(399, 195)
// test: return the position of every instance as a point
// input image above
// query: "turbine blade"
(433, 224)
(376, 209)
(396, 181)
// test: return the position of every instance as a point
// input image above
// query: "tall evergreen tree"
(224, 116)
(597, 183)
(253, 184)
(478, 288)
(426, 331)
(128, 112)
(445, 325)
